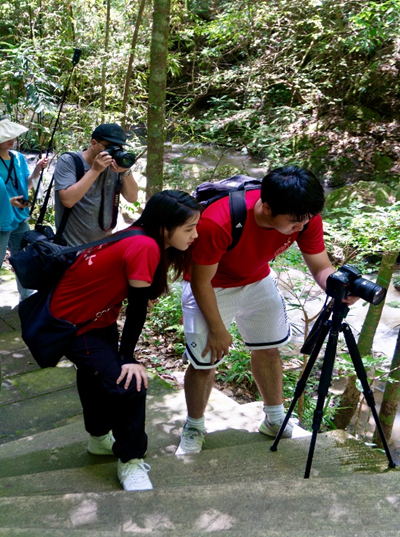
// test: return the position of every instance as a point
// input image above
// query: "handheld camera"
(347, 280)
(124, 159)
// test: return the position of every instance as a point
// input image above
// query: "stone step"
(351, 505)
(65, 446)
(33, 400)
(336, 454)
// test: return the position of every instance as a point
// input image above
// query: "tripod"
(75, 60)
(312, 346)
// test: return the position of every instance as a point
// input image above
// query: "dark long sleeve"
(135, 317)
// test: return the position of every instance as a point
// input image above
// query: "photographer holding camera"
(238, 284)
(94, 198)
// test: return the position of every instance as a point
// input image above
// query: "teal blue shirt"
(6, 212)
(17, 185)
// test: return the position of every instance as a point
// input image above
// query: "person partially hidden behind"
(111, 382)
(15, 183)
(239, 285)
(93, 197)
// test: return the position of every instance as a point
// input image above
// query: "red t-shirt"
(248, 261)
(98, 281)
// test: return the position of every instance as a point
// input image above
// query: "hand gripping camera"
(124, 159)
(347, 280)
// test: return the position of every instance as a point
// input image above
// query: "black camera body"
(348, 280)
(124, 159)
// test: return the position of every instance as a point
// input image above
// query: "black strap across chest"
(11, 171)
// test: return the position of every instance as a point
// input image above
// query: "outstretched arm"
(75, 192)
(138, 296)
(130, 188)
(320, 268)
(219, 339)
(40, 165)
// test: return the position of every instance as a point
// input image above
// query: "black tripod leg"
(323, 387)
(301, 383)
(368, 394)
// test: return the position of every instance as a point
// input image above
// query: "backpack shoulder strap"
(111, 238)
(79, 169)
(79, 172)
(238, 209)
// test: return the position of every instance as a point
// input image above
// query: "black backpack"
(235, 187)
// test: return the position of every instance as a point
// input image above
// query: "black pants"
(106, 404)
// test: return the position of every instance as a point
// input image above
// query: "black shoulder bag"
(47, 337)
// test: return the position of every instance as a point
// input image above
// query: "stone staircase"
(50, 484)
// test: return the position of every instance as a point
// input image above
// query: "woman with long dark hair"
(111, 383)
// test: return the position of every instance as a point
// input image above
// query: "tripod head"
(319, 330)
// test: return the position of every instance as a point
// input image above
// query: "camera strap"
(10, 171)
(115, 205)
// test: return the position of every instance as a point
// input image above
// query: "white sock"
(275, 413)
(198, 424)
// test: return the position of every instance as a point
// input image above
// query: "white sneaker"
(101, 445)
(133, 475)
(272, 429)
(192, 441)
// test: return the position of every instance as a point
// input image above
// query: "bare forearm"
(219, 340)
(75, 192)
(130, 189)
(320, 267)
(206, 300)
(41, 165)
(321, 277)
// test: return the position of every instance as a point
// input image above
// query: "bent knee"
(201, 371)
(265, 354)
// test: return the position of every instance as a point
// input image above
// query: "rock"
(369, 192)
(192, 175)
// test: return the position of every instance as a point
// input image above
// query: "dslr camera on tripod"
(347, 280)
(124, 159)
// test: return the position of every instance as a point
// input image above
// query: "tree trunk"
(374, 313)
(351, 395)
(130, 62)
(391, 397)
(348, 404)
(104, 67)
(157, 93)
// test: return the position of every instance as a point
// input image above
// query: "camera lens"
(125, 159)
(367, 290)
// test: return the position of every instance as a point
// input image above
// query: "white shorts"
(258, 309)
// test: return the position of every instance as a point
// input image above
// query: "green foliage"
(35, 63)
(373, 25)
(361, 234)
(165, 319)
(260, 76)
(235, 369)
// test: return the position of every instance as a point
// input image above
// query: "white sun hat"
(9, 130)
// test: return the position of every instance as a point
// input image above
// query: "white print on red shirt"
(284, 246)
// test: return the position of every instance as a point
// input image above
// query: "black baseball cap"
(110, 132)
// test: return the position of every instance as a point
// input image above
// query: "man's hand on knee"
(218, 344)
